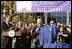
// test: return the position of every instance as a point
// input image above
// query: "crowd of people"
(35, 35)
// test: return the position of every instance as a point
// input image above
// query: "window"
(64, 20)
(59, 19)
(70, 18)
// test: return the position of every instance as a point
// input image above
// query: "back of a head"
(67, 28)
(51, 22)
(61, 25)
(70, 26)
(39, 22)
(58, 24)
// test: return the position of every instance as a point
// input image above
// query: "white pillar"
(67, 18)
(45, 17)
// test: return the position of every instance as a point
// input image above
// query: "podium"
(17, 35)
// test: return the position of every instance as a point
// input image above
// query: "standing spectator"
(19, 26)
(62, 35)
(68, 30)
(26, 37)
(58, 25)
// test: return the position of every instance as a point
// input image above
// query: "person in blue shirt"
(54, 29)
(47, 33)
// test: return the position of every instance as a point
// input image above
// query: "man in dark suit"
(6, 25)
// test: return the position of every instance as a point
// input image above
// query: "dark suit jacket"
(6, 41)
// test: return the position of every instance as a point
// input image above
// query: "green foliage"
(16, 19)
(26, 17)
